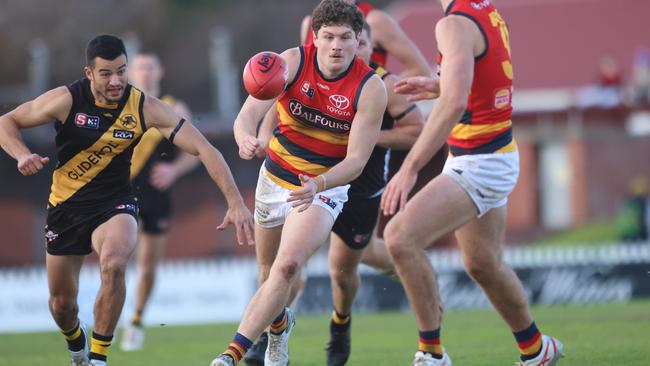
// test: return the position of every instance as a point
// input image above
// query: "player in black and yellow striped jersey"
(155, 166)
(91, 206)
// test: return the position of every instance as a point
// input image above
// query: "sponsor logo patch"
(126, 206)
(123, 134)
(307, 89)
(323, 86)
(339, 101)
(129, 121)
(361, 238)
(502, 98)
(481, 4)
(50, 234)
(316, 118)
(327, 201)
(86, 121)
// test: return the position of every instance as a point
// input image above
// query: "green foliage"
(592, 233)
(594, 335)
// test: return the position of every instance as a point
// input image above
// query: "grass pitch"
(594, 335)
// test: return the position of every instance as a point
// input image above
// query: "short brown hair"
(337, 12)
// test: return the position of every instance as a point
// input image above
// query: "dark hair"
(105, 46)
(337, 12)
(366, 27)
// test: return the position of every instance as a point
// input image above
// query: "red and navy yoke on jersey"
(378, 56)
(315, 115)
(486, 125)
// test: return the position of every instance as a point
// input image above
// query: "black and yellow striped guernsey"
(153, 147)
(94, 148)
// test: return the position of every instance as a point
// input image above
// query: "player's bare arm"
(161, 116)
(253, 110)
(54, 104)
(408, 119)
(456, 41)
(305, 28)
(164, 174)
(363, 137)
(388, 35)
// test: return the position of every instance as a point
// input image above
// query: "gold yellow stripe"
(74, 335)
(532, 348)
(431, 348)
(99, 347)
(296, 162)
(338, 320)
(143, 150)
(64, 185)
(232, 354)
(331, 138)
(511, 147)
(467, 132)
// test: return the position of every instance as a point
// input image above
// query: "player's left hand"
(303, 197)
(241, 218)
(418, 88)
(163, 175)
(397, 191)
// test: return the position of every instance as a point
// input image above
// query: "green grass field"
(594, 335)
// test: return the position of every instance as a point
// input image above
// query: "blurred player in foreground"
(473, 113)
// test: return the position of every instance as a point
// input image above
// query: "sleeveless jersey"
(372, 180)
(153, 147)
(486, 125)
(315, 115)
(378, 56)
(94, 146)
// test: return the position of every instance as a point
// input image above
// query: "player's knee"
(396, 239)
(62, 305)
(343, 279)
(288, 269)
(113, 265)
(480, 269)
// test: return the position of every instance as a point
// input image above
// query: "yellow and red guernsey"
(486, 125)
(315, 115)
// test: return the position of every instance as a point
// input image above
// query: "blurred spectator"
(639, 88)
(606, 92)
(632, 217)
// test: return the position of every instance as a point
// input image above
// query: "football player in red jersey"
(473, 113)
(329, 120)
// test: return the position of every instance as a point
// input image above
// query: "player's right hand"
(241, 218)
(31, 164)
(248, 149)
(418, 88)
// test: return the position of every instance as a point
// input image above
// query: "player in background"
(155, 166)
(98, 120)
(354, 229)
(330, 116)
(473, 113)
